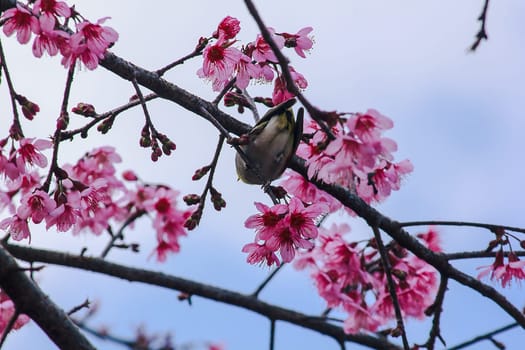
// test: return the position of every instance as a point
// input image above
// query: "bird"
(270, 145)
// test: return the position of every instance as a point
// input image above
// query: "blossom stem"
(391, 286)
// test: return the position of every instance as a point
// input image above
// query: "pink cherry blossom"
(262, 51)
(48, 10)
(368, 126)
(66, 214)
(287, 242)
(17, 227)
(36, 205)
(7, 310)
(505, 273)
(300, 187)
(219, 63)
(299, 41)
(280, 91)
(29, 152)
(360, 316)
(246, 70)
(21, 21)
(431, 239)
(260, 253)
(228, 28)
(89, 44)
(96, 37)
(301, 219)
(50, 41)
(514, 270)
(266, 222)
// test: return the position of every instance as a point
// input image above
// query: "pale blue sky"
(458, 117)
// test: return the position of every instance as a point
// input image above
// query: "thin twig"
(391, 286)
(106, 336)
(480, 254)
(486, 336)
(266, 281)
(272, 334)
(437, 308)
(56, 137)
(482, 33)
(77, 308)
(142, 101)
(197, 52)
(68, 135)
(490, 227)
(223, 92)
(119, 235)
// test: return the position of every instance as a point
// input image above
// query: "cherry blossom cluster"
(283, 228)
(359, 158)
(48, 21)
(223, 62)
(87, 196)
(7, 310)
(503, 272)
(349, 276)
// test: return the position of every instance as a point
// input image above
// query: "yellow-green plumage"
(271, 144)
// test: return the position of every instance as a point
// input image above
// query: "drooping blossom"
(262, 50)
(503, 272)
(48, 10)
(49, 41)
(280, 91)
(21, 21)
(260, 253)
(29, 152)
(66, 214)
(17, 227)
(299, 41)
(89, 43)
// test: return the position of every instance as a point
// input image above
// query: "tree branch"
(30, 300)
(248, 302)
(199, 106)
